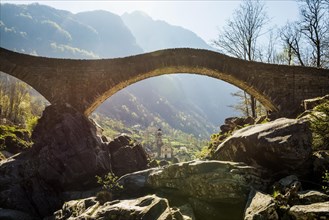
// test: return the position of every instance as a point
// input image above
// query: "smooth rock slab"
(280, 145)
(310, 212)
(211, 181)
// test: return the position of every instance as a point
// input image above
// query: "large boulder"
(126, 155)
(211, 181)
(66, 156)
(283, 145)
(311, 211)
(67, 148)
(260, 206)
(147, 207)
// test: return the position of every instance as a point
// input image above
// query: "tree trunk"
(253, 106)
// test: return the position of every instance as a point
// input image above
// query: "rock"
(67, 154)
(216, 211)
(248, 120)
(234, 122)
(310, 212)
(286, 190)
(260, 119)
(163, 163)
(67, 148)
(287, 181)
(9, 214)
(153, 163)
(320, 163)
(22, 189)
(260, 206)
(212, 181)
(187, 211)
(311, 103)
(104, 139)
(75, 208)
(147, 207)
(283, 145)
(311, 196)
(137, 181)
(225, 128)
(127, 156)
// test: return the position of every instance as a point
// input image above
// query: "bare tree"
(314, 26)
(239, 37)
(291, 36)
(307, 40)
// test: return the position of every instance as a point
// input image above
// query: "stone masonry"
(85, 84)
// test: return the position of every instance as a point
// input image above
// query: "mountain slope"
(154, 35)
(114, 38)
(45, 31)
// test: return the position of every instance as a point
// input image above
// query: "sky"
(202, 17)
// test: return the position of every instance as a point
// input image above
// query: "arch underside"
(261, 97)
(30, 85)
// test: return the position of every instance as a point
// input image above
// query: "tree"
(306, 41)
(16, 102)
(291, 37)
(315, 27)
(240, 35)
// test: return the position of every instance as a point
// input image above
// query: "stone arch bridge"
(85, 84)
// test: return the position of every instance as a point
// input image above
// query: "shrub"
(31, 123)
(109, 182)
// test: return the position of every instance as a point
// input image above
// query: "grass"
(15, 136)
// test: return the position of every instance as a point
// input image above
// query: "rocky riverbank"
(263, 171)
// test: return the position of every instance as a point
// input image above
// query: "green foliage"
(19, 103)
(2, 157)
(215, 140)
(276, 193)
(109, 182)
(31, 123)
(14, 139)
(110, 186)
(325, 182)
(320, 126)
(203, 153)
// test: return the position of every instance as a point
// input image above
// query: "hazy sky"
(202, 17)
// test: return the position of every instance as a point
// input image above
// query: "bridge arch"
(85, 84)
(216, 75)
